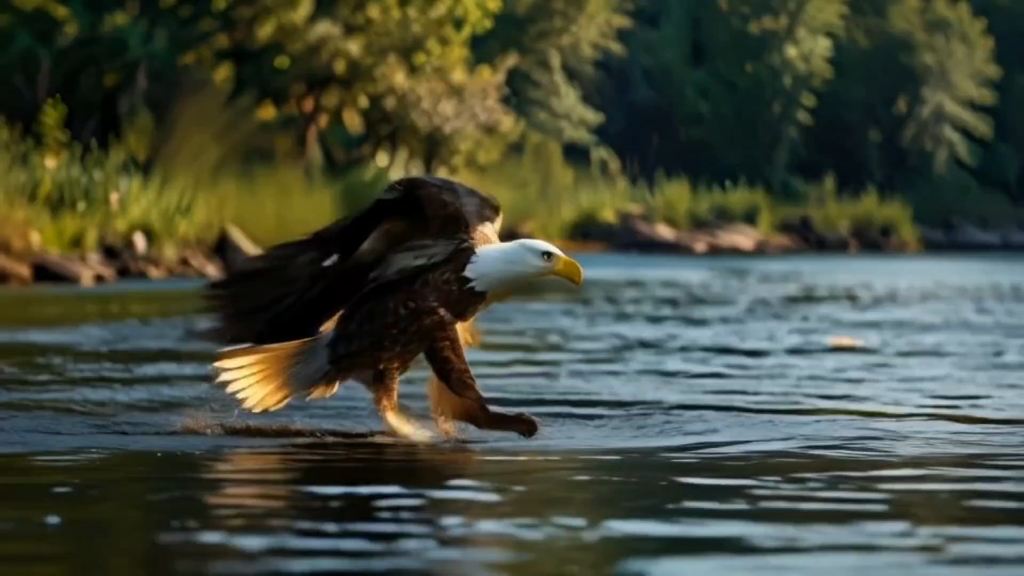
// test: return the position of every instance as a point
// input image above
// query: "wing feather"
(292, 289)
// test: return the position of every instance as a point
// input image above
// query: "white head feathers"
(503, 266)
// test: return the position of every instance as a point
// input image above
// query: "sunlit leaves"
(799, 45)
(558, 43)
(352, 119)
(770, 90)
(378, 69)
(954, 57)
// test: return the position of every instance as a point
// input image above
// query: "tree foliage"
(903, 95)
(954, 60)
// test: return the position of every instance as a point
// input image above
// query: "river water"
(695, 419)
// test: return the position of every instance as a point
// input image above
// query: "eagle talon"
(528, 426)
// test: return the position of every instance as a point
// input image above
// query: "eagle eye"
(546, 256)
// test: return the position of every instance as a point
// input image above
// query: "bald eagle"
(412, 304)
(298, 290)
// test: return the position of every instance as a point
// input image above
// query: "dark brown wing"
(292, 289)
(417, 257)
(411, 280)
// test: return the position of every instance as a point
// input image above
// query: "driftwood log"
(233, 247)
(207, 267)
(104, 271)
(15, 271)
(48, 267)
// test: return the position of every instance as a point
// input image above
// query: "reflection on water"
(694, 418)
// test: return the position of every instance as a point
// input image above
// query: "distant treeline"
(923, 99)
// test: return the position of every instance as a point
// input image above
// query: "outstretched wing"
(292, 289)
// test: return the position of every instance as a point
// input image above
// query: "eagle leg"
(384, 387)
(445, 406)
(459, 398)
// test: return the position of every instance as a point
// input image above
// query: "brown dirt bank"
(630, 234)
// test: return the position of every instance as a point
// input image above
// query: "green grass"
(543, 196)
(864, 214)
(58, 195)
(66, 209)
(550, 199)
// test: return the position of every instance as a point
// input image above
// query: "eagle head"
(503, 266)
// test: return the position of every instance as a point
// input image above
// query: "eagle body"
(414, 301)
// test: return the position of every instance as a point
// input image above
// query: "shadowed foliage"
(175, 117)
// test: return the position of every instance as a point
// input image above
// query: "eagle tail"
(265, 378)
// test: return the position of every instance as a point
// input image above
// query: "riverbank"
(90, 217)
(632, 232)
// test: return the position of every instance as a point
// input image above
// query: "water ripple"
(724, 415)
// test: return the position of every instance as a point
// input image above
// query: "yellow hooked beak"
(565, 267)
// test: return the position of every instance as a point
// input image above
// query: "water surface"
(694, 420)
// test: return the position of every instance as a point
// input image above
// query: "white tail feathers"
(265, 378)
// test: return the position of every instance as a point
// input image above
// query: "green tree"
(737, 78)
(954, 58)
(681, 101)
(799, 38)
(397, 78)
(557, 45)
(862, 105)
(1003, 163)
(107, 60)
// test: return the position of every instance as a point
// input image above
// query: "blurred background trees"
(923, 99)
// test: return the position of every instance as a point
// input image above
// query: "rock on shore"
(132, 260)
(637, 234)
(631, 233)
(966, 237)
(634, 233)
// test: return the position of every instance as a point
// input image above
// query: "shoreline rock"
(962, 237)
(133, 260)
(632, 234)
